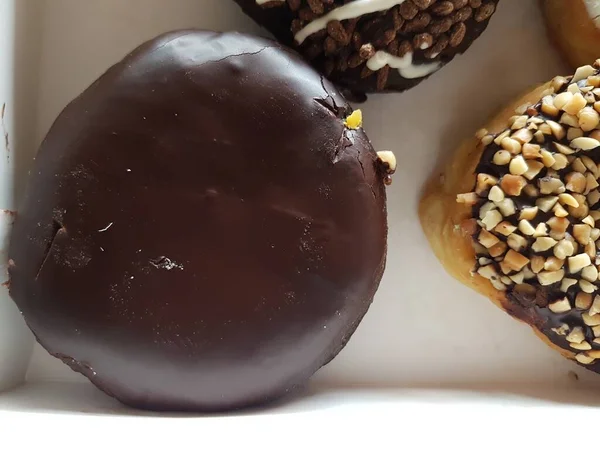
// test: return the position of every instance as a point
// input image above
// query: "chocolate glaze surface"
(201, 231)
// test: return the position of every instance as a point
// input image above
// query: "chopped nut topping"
(578, 166)
(567, 283)
(581, 346)
(564, 249)
(576, 263)
(590, 183)
(548, 107)
(547, 158)
(562, 330)
(569, 120)
(537, 264)
(584, 359)
(576, 335)
(529, 213)
(564, 149)
(569, 200)
(594, 308)
(485, 182)
(559, 211)
(591, 321)
(584, 72)
(542, 244)
(585, 143)
(573, 133)
(487, 272)
(496, 194)
(502, 158)
(511, 145)
(505, 228)
(561, 99)
(582, 233)
(576, 104)
(546, 203)
(583, 300)
(515, 260)
(534, 168)
(516, 242)
(498, 250)
(558, 224)
(552, 264)
(560, 161)
(526, 228)
(518, 278)
(523, 136)
(588, 119)
(507, 207)
(386, 157)
(487, 239)
(576, 182)
(560, 306)
(557, 130)
(590, 273)
(541, 230)
(518, 166)
(487, 207)
(539, 205)
(531, 151)
(547, 278)
(550, 185)
(593, 197)
(593, 354)
(589, 220)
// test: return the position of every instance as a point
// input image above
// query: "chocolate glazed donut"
(374, 45)
(203, 230)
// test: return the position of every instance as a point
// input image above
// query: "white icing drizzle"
(262, 2)
(593, 8)
(404, 65)
(348, 11)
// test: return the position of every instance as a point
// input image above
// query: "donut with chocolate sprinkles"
(374, 45)
(516, 214)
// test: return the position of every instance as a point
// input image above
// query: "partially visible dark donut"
(353, 40)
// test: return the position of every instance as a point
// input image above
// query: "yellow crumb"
(354, 120)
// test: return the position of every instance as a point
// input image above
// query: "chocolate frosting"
(201, 231)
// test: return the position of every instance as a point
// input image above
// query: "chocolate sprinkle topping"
(434, 31)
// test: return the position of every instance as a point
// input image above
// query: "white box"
(430, 358)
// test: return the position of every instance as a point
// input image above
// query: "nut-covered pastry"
(205, 226)
(516, 213)
(375, 45)
(574, 27)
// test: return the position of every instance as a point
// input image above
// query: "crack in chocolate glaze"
(56, 229)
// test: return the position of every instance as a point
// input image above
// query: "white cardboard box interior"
(427, 339)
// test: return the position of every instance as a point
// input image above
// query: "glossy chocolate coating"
(278, 18)
(201, 230)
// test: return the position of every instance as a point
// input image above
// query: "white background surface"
(424, 331)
